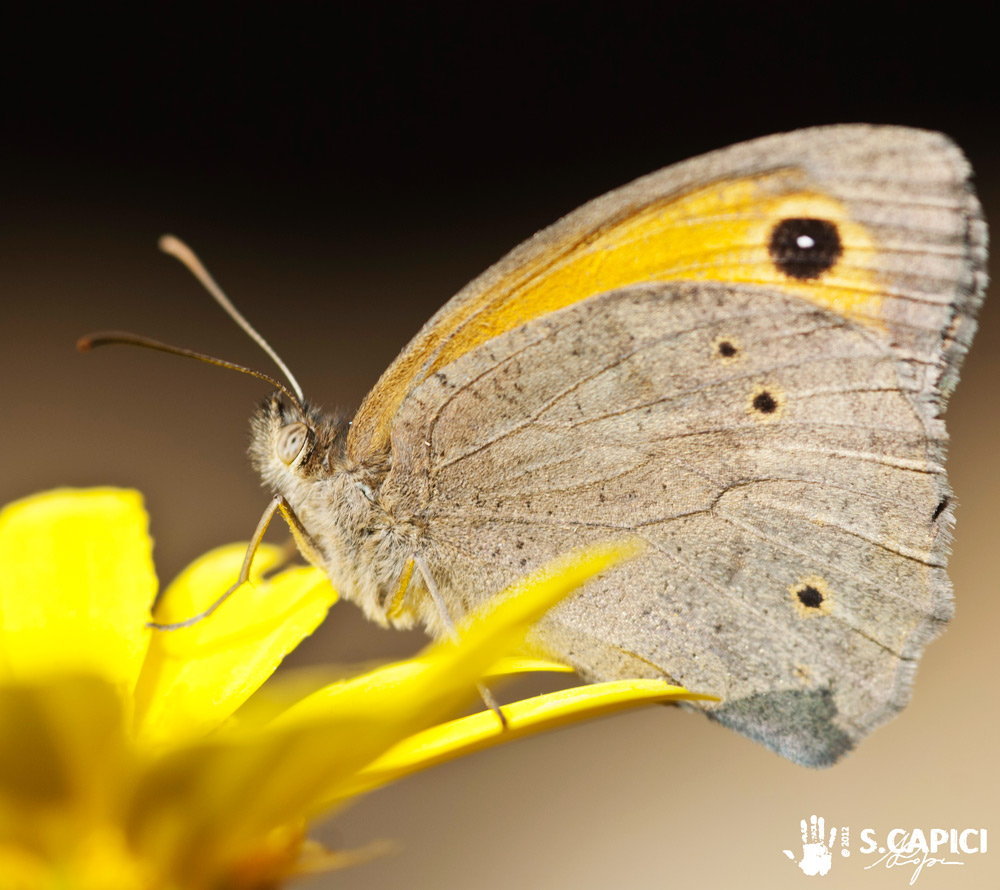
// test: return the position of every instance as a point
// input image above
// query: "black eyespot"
(805, 248)
(765, 403)
(812, 597)
(726, 349)
(939, 509)
(809, 596)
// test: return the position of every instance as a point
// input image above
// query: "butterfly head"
(291, 443)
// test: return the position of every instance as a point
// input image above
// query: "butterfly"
(742, 360)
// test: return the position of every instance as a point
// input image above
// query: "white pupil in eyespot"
(290, 442)
(805, 242)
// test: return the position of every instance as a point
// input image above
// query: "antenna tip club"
(173, 245)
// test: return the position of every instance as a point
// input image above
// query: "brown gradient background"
(342, 176)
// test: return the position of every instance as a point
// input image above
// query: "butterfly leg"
(442, 607)
(394, 608)
(306, 544)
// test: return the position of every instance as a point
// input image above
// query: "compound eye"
(290, 442)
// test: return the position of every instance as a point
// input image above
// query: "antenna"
(177, 248)
(109, 338)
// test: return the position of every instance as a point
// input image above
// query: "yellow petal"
(508, 667)
(533, 715)
(64, 760)
(486, 635)
(195, 677)
(90, 860)
(102, 860)
(208, 803)
(76, 583)
(23, 870)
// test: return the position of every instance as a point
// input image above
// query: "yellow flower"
(122, 764)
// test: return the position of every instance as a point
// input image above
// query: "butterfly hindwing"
(771, 455)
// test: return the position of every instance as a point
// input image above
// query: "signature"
(919, 859)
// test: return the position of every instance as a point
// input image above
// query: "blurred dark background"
(343, 169)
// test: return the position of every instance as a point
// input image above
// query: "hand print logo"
(817, 851)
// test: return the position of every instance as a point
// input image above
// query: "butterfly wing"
(775, 437)
(893, 193)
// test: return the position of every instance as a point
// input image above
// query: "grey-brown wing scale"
(781, 462)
